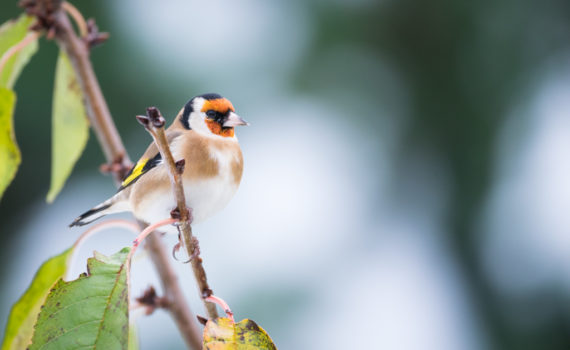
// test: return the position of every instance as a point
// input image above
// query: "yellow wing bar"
(135, 173)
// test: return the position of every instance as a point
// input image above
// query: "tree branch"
(154, 124)
(53, 19)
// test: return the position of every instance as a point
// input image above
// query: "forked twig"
(77, 17)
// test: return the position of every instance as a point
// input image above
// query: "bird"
(203, 135)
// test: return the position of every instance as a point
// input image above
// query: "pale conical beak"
(234, 120)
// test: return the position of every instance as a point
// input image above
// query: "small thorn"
(202, 320)
(143, 120)
(180, 166)
(94, 37)
(98, 40)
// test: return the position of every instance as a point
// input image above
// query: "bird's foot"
(175, 214)
(195, 249)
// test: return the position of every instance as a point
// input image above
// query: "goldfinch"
(203, 135)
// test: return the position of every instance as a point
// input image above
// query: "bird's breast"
(211, 176)
(206, 196)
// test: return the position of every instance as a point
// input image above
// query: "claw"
(175, 250)
(195, 253)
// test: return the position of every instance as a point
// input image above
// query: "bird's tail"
(115, 204)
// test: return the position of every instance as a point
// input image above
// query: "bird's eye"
(211, 114)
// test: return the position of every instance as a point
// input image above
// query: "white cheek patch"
(198, 123)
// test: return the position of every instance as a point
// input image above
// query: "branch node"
(151, 301)
(155, 117)
(45, 12)
(175, 214)
(94, 37)
(119, 167)
(207, 292)
(180, 166)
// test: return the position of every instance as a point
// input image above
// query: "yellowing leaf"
(11, 33)
(223, 334)
(70, 126)
(89, 312)
(9, 151)
(20, 327)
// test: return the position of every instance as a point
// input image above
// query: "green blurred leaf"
(24, 313)
(223, 334)
(70, 126)
(133, 337)
(11, 33)
(91, 311)
(9, 151)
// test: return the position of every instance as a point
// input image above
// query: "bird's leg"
(175, 214)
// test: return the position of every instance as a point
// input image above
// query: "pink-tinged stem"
(77, 17)
(147, 231)
(214, 299)
(115, 223)
(16, 48)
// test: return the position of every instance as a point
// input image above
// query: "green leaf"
(11, 33)
(70, 126)
(133, 337)
(224, 334)
(91, 311)
(9, 151)
(24, 313)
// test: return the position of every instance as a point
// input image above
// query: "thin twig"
(117, 223)
(147, 231)
(154, 124)
(114, 150)
(77, 17)
(28, 39)
(223, 305)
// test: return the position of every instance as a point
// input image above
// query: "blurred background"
(406, 180)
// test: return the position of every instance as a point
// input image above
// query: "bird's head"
(210, 114)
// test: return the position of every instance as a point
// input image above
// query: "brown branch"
(154, 124)
(52, 19)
